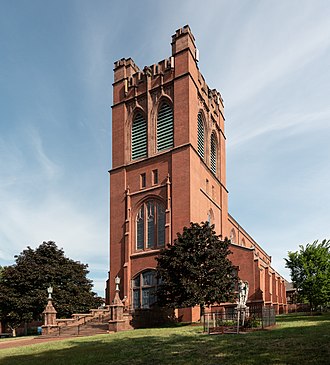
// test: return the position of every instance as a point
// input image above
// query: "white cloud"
(267, 49)
(290, 122)
(36, 205)
(54, 218)
(48, 167)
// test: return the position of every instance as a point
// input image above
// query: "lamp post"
(116, 299)
(50, 291)
(117, 282)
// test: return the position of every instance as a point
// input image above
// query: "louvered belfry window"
(165, 135)
(139, 137)
(200, 137)
(213, 154)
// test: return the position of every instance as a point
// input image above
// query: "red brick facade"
(191, 174)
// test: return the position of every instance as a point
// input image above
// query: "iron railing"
(234, 320)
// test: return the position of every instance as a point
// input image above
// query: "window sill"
(145, 253)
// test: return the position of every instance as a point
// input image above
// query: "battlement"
(126, 62)
(214, 96)
(182, 40)
(153, 71)
(135, 79)
(182, 31)
(124, 68)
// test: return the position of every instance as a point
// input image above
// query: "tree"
(310, 272)
(195, 270)
(23, 286)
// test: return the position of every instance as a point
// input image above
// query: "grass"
(296, 339)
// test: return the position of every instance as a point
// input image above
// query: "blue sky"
(270, 61)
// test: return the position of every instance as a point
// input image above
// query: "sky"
(270, 60)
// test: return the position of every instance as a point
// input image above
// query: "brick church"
(169, 169)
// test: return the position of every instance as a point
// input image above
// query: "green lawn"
(297, 339)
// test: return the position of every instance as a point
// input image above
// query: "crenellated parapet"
(130, 82)
(155, 71)
(134, 81)
(124, 68)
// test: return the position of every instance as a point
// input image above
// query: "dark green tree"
(195, 270)
(310, 272)
(23, 286)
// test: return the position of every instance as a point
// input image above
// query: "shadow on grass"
(308, 344)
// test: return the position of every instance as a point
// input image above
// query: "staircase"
(82, 324)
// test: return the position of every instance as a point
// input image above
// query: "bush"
(225, 323)
(252, 322)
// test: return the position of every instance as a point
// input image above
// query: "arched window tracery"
(232, 235)
(150, 225)
(144, 287)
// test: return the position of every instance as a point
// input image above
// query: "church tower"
(168, 162)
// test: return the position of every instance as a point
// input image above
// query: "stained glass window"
(150, 226)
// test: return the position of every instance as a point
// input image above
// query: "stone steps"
(82, 324)
(87, 329)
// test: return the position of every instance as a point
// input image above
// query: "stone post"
(117, 321)
(49, 318)
(49, 314)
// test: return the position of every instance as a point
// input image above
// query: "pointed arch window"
(200, 136)
(213, 154)
(144, 287)
(232, 235)
(165, 135)
(210, 217)
(150, 226)
(139, 137)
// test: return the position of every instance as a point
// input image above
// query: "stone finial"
(147, 71)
